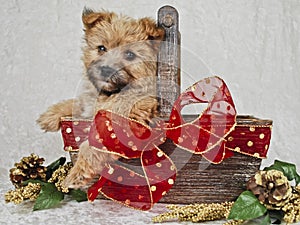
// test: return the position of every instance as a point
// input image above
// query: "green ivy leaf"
(266, 220)
(247, 207)
(78, 195)
(262, 220)
(54, 166)
(48, 197)
(288, 169)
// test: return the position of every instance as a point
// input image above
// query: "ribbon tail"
(132, 189)
(124, 186)
(94, 190)
(160, 172)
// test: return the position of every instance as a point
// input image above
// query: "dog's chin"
(106, 88)
(109, 92)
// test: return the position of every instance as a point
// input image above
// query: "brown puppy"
(120, 58)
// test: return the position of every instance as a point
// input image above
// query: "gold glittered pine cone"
(292, 208)
(271, 188)
(28, 168)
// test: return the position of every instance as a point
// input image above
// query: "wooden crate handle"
(168, 68)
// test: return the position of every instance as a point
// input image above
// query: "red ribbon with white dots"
(206, 134)
(143, 185)
(138, 186)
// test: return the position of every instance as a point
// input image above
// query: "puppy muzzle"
(107, 71)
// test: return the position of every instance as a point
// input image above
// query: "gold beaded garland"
(17, 196)
(196, 212)
(234, 222)
(59, 176)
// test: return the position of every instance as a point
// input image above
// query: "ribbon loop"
(119, 135)
(204, 135)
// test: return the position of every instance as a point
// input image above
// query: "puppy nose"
(107, 71)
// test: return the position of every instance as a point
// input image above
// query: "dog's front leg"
(82, 172)
(90, 162)
(50, 120)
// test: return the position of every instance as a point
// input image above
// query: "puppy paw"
(144, 110)
(156, 121)
(142, 116)
(49, 121)
(78, 178)
(88, 164)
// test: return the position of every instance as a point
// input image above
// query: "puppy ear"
(90, 18)
(153, 32)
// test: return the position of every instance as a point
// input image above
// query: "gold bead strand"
(196, 212)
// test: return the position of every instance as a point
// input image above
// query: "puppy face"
(119, 49)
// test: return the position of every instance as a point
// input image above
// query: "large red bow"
(130, 139)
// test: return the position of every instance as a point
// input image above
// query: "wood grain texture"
(168, 68)
(200, 181)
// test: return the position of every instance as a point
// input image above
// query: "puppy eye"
(129, 55)
(102, 48)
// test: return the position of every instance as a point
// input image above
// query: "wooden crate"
(197, 179)
(201, 181)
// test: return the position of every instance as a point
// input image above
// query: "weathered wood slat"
(168, 69)
(200, 182)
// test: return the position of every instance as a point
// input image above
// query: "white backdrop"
(253, 45)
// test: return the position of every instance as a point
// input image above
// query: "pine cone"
(292, 208)
(271, 188)
(29, 168)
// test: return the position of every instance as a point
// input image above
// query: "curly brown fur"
(120, 58)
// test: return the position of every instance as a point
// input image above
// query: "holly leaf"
(288, 169)
(247, 207)
(48, 197)
(78, 195)
(54, 166)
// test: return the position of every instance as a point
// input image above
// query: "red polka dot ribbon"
(129, 139)
(206, 134)
(143, 185)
